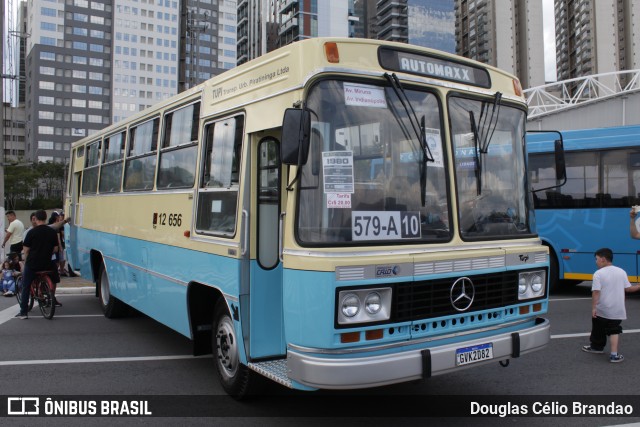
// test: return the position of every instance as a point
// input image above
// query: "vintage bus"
(591, 210)
(326, 215)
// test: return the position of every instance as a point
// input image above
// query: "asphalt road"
(81, 353)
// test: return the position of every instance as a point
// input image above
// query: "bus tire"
(112, 307)
(236, 379)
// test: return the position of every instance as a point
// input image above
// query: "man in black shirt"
(39, 245)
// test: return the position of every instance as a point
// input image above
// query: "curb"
(76, 291)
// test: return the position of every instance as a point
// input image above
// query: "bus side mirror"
(561, 168)
(294, 148)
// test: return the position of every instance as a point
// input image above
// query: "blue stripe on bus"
(163, 293)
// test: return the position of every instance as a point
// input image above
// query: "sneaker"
(58, 303)
(616, 359)
(21, 316)
(9, 294)
(589, 349)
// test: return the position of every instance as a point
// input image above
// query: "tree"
(51, 179)
(19, 182)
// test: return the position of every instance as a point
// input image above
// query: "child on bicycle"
(8, 280)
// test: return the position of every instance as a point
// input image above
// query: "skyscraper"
(504, 34)
(302, 19)
(429, 23)
(257, 29)
(92, 63)
(594, 37)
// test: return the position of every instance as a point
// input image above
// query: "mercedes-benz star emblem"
(462, 294)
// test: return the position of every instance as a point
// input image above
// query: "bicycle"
(42, 290)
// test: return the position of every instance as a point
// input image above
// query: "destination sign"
(433, 66)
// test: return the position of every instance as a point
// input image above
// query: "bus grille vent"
(432, 298)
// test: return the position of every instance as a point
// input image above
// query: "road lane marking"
(57, 316)
(9, 313)
(99, 360)
(586, 334)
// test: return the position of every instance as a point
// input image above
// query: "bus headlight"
(373, 303)
(536, 283)
(522, 285)
(531, 284)
(350, 305)
(363, 305)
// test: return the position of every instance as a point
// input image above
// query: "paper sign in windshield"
(432, 138)
(338, 171)
(339, 200)
(364, 96)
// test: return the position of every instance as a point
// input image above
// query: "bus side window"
(91, 167)
(140, 166)
(179, 148)
(112, 156)
(220, 177)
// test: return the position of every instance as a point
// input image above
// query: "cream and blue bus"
(336, 214)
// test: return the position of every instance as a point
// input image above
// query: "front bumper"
(331, 372)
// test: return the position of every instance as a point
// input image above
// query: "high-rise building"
(13, 133)
(594, 37)
(505, 34)
(302, 19)
(429, 23)
(91, 63)
(257, 29)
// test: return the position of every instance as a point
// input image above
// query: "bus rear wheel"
(236, 379)
(112, 307)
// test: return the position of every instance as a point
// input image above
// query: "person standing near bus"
(13, 233)
(607, 305)
(39, 246)
(633, 230)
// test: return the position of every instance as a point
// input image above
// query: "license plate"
(476, 353)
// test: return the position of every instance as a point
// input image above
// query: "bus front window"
(490, 169)
(362, 181)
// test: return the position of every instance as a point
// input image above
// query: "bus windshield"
(362, 180)
(490, 169)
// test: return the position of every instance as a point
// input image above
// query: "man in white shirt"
(607, 304)
(13, 233)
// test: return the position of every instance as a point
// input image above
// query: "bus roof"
(586, 139)
(290, 67)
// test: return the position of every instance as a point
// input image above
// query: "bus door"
(74, 214)
(266, 335)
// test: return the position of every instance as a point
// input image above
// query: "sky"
(549, 41)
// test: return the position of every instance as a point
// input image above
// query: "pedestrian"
(39, 246)
(61, 256)
(13, 233)
(607, 305)
(8, 279)
(633, 230)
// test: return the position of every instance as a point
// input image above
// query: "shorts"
(16, 248)
(610, 326)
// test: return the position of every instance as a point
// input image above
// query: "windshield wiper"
(478, 157)
(483, 133)
(419, 128)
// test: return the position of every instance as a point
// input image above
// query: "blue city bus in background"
(591, 209)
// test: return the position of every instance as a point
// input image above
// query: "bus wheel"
(236, 379)
(111, 306)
